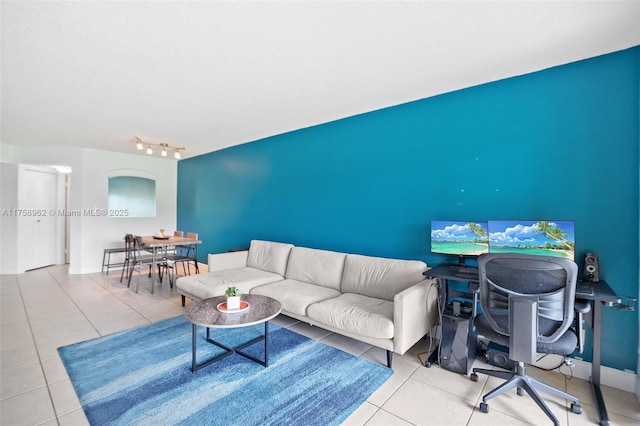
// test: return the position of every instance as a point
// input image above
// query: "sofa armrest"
(415, 313)
(222, 261)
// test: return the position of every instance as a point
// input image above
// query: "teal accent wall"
(561, 143)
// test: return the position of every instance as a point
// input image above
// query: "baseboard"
(88, 269)
(618, 379)
(11, 270)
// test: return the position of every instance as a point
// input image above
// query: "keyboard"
(456, 269)
(466, 272)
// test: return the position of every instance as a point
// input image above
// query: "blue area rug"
(143, 376)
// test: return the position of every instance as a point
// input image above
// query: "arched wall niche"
(132, 193)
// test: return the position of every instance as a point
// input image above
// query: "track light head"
(164, 148)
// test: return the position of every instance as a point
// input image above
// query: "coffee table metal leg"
(266, 340)
(229, 350)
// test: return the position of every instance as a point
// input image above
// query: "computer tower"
(458, 344)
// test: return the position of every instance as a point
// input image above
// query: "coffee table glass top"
(205, 312)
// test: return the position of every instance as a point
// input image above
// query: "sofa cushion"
(380, 277)
(269, 256)
(314, 266)
(211, 284)
(357, 314)
(294, 295)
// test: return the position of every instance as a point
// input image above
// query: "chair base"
(519, 379)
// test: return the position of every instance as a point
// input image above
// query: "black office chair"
(528, 306)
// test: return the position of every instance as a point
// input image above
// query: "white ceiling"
(208, 75)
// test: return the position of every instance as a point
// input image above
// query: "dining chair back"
(186, 254)
(128, 246)
(140, 260)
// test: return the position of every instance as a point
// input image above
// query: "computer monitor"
(463, 239)
(547, 238)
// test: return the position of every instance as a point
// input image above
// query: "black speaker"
(591, 268)
(500, 358)
(458, 345)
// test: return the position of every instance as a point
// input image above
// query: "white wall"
(8, 222)
(89, 235)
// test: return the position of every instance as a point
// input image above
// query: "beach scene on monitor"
(547, 238)
(459, 238)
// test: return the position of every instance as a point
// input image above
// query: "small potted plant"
(233, 297)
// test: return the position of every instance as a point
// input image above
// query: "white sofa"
(387, 303)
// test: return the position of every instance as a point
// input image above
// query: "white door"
(37, 216)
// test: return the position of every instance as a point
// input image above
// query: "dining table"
(159, 246)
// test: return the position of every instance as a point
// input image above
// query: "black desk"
(598, 294)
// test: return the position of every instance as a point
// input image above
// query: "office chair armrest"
(581, 308)
(474, 289)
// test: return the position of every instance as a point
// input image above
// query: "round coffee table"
(205, 313)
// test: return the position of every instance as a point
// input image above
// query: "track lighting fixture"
(164, 148)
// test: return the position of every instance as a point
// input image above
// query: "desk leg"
(595, 363)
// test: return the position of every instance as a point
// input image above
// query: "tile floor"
(47, 308)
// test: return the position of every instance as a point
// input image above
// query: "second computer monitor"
(548, 238)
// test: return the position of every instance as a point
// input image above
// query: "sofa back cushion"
(380, 277)
(315, 266)
(269, 256)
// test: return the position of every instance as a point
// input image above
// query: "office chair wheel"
(576, 408)
(520, 392)
(473, 377)
(484, 407)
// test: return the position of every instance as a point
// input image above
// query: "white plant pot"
(233, 302)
